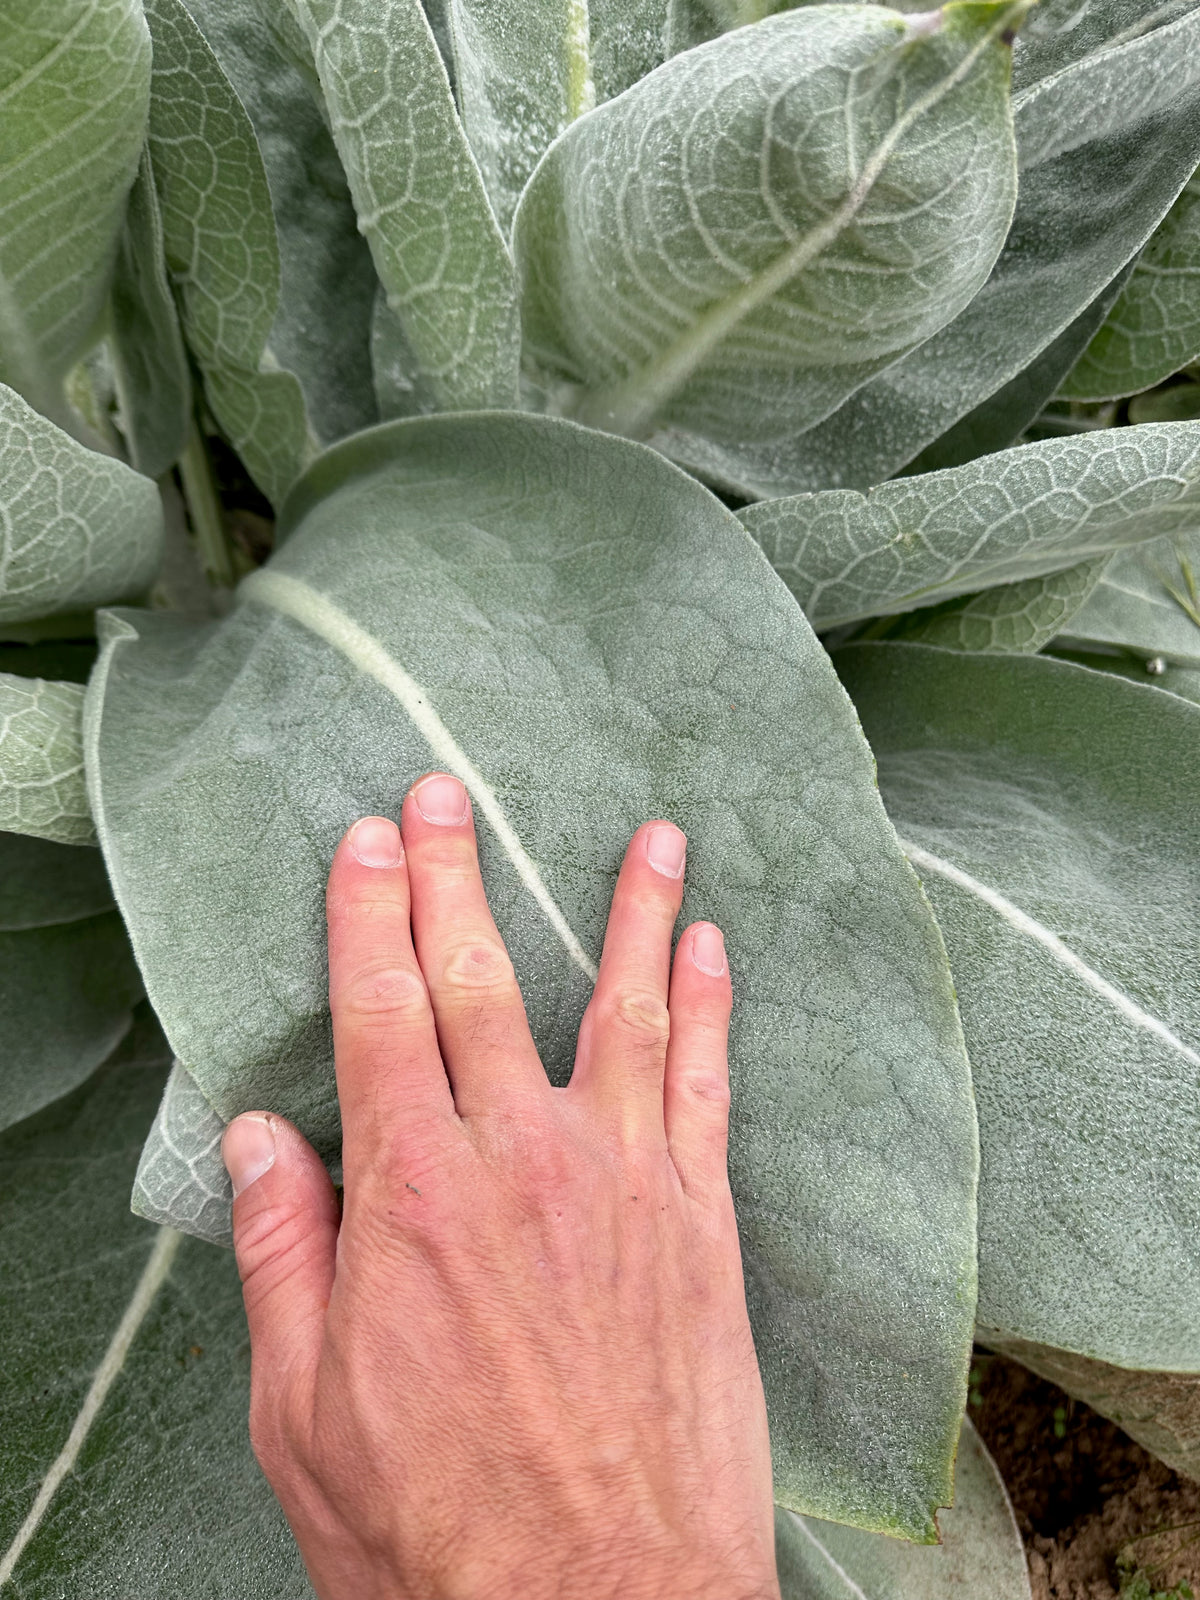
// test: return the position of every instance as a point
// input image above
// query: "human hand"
(519, 1364)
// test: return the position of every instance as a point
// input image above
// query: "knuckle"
(638, 1019)
(383, 989)
(481, 969)
(708, 1089)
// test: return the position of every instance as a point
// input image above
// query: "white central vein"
(148, 1285)
(329, 622)
(1061, 952)
(851, 1587)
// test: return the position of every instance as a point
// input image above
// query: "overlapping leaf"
(1051, 814)
(69, 979)
(419, 196)
(481, 593)
(1036, 509)
(74, 89)
(42, 787)
(1154, 328)
(717, 258)
(132, 1475)
(1022, 617)
(76, 528)
(181, 1179)
(1148, 601)
(1106, 142)
(981, 1554)
(221, 249)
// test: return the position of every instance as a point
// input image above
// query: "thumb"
(285, 1228)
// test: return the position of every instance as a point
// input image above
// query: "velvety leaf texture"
(76, 528)
(135, 1338)
(74, 86)
(1105, 145)
(589, 638)
(69, 979)
(1036, 509)
(1022, 617)
(1051, 814)
(221, 249)
(419, 196)
(718, 257)
(1154, 328)
(1148, 601)
(42, 787)
(982, 1554)
(181, 1178)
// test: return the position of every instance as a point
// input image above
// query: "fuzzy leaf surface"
(483, 593)
(76, 528)
(74, 90)
(1154, 328)
(1148, 601)
(1051, 814)
(1019, 514)
(982, 1553)
(164, 1496)
(221, 249)
(69, 979)
(1105, 145)
(181, 1180)
(42, 787)
(420, 199)
(719, 257)
(1022, 617)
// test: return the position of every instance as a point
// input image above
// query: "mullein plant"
(781, 419)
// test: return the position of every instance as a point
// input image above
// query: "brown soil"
(1093, 1507)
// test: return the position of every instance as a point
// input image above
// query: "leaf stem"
(204, 511)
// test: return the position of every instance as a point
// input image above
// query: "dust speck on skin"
(1086, 1497)
(413, 1187)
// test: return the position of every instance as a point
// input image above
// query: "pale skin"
(516, 1363)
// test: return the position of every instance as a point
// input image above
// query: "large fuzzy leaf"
(589, 638)
(1154, 328)
(42, 787)
(69, 979)
(1148, 601)
(131, 1476)
(150, 364)
(1105, 145)
(1051, 813)
(1035, 509)
(420, 199)
(181, 1179)
(1022, 617)
(523, 73)
(74, 88)
(76, 527)
(1161, 1410)
(982, 1554)
(327, 282)
(718, 257)
(221, 249)
(629, 39)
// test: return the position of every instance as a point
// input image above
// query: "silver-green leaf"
(1148, 601)
(42, 787)
(1022, 617)
(1035, 509)
(221, 249)
(74, 89)
(69, 979)
(181, 1179)
(1105, 144)
(1051, 814)
(1154, 328)
(131, 1477)
(982, 1554)
(588, 638)
(719, 257)
(420, 200)
(76, 528)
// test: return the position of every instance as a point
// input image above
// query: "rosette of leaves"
(574, 351)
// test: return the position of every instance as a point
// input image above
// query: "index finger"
(389, 1069)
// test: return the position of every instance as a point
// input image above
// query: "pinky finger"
(696, 1087)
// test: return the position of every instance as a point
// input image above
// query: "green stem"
(204, 511)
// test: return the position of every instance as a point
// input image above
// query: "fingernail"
(708, 950)
(248, 1150)
(441, 799)
(376, 842)
(665, 850)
